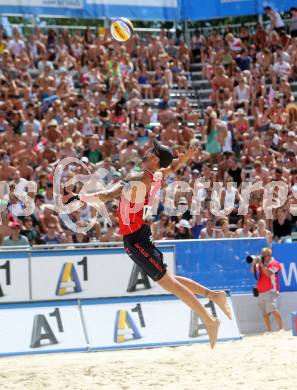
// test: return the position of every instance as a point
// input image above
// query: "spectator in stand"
(51, 237)
(212, 144)
(293, 25)
(242, 94)
(225, 229)
(281, 68)
(31, 232)
(261, 231)
(15, 238)
(245, 230)
(209, 231)
(160, 228)
(184, 230)
(277, 22)
(82, 96)
(282, 226)
(93, 152)
(235, 171)
(243, 60)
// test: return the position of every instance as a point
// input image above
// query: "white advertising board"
(40, 328)
(148, 321)
(91, 274)
(14, 277)
(100, 324)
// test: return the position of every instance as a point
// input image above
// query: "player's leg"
(144, 253)
(217, 297)
(267, 322)
(172, 285)
(278, 319)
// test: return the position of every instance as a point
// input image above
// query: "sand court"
(258, 362)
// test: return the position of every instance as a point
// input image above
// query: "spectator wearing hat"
(184, 230)
(53, 133)
(291, 143)
(116, 176)
(182, 202)
(15, 238)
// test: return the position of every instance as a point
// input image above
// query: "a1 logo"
(69, 281)
(6, 267)
(42, 330)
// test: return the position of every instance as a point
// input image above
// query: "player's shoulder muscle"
(139, 176)
(135, 176)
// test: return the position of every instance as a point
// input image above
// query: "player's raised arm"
(105, 195)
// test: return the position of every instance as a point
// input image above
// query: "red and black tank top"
(131, 214)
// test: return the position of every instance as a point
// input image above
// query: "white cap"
(53, 122)
(291, 134)
(85, 159)
(182, 200)
(183, 223)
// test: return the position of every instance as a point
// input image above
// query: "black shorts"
(143, 252)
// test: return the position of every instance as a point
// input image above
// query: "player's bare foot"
(220, 299)
(213, 330)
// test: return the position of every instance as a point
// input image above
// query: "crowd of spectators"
(91, 98)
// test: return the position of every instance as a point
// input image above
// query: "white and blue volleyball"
(121, 29)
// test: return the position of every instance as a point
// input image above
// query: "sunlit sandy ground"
(260, 362)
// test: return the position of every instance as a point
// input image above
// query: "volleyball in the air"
(121, 29)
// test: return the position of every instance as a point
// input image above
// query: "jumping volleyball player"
(137, 234)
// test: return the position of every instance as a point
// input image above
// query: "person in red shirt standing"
(268, 287)
(137, 199)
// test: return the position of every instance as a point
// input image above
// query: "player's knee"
(168, 283)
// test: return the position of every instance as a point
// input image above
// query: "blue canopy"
(142, 9)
